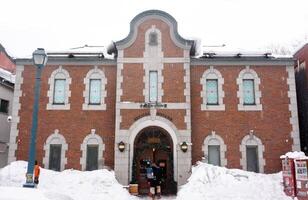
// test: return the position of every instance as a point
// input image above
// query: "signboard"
(301, 170)
(3, 147)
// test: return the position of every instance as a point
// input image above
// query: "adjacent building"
(156, 100)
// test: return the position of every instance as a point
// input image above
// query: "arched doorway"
(153, 144)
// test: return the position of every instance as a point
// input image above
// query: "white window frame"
(92, 139)
(156, 97)
(212, 73)
(215, 139)
(59, 73)
(252, 140)
(94, 74)
(249, 73)
(55, 138)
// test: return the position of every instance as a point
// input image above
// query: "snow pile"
(209, 182)
(294, 155)
(66, 185)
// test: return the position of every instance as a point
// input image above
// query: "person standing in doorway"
(36, 173)
(157, 176)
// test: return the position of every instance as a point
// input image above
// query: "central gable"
(154, 28)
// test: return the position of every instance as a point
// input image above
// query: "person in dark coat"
(157, 179)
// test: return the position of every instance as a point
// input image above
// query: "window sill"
(58, 107)
(93, 106)
(213, 107)
(255, 107)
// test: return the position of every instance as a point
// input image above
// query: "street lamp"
(39, 60)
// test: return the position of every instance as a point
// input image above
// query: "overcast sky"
(63, 24)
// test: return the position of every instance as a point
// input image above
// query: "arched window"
(212, 93)
(249, 93)
(59, 91)
(92, 150)
(252, 153)
(95, 92)
(214, 150)
(55, 148)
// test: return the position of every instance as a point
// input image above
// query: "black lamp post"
(39, 60)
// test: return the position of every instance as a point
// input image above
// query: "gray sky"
(63, 24)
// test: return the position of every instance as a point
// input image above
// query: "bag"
(150, 174)
(36, 180)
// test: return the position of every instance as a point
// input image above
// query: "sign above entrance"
(153, 105)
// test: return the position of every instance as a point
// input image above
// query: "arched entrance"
(154, 144)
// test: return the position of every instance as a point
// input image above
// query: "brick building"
(154, 98)
(301, 75)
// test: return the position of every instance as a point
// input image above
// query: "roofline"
(70, 61)
(3, 50)
(302, 47)
(231, 61)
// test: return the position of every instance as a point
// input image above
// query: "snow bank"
(294, 154)
(209, 182)
(66, 185)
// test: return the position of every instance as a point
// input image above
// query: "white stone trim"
(94, 73)
(217, 140)
(136, 106)
(154, 55)
(212, 73)
(59, 73)
(55, 138)
(187, 118)
(15, 113)
(147, 59)
(293, 108)
(94, 139)
(249, 73)
(252, 140)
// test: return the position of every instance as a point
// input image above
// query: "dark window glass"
(92, 157)
(252, 158)
(55, 157)
(212, 91)
(4, 106)
(214, 155)
(249, 92)
(153, 39)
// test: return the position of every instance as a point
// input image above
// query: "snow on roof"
(6, 75)
(294, 155)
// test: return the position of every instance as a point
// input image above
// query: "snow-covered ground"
(66, 185)
(209, 182)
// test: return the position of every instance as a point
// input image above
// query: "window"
(55, 157)
(252, 158)
(153, 86)
(92, 157)
(214, 150)
(248, 92)
(59, 91)
(95, 91)
(153, 39)
(212, 91)
(4, 106)
(214, 155)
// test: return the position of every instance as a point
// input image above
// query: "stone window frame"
(217, 140)
(92, 139)
(252, 140)
(212, 73)
(94, 74)
(59, 73)
(249, 73)
(55, 138)
(154, 52)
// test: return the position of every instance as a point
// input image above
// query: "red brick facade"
(180, 90)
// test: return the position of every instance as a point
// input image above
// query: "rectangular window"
(212, 92)
(55, 157)
(153, 86)
(59, 91)
(4, 106)
(252, 158)
(92, 157)
(95, 91)
(214, 155)
(248, 92)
